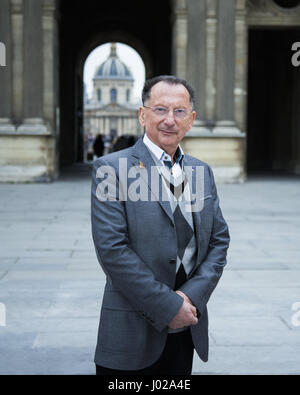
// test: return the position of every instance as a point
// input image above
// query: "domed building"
(113, 81)
(111, 111)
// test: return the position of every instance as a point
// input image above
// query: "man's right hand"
(186, 316)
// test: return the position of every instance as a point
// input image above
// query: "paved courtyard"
(51, 284)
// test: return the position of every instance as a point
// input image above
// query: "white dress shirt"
(162, 156)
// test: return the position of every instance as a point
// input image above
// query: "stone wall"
(210, 50)
(29, 91)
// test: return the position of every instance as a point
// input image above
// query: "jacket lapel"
(191, 176)
(142, 158)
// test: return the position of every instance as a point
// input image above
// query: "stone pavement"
(51, 284)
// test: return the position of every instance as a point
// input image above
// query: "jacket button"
(172, 261)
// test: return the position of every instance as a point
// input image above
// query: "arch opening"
(101, 23)
(118, 72)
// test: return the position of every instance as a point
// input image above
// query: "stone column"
(125, 125)
(241, 65)
(119, 127)
(210, 75)
(107, 125)
(179, 51)
(196, 50)
(50, 62)
(98, 125)
(6, 69)
(122, 125)
(17, 59)
(102, 126)
(33, 69)
(225, 70)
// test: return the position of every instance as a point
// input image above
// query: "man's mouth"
(167, 131)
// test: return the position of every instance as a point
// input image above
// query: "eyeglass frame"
(186, 112)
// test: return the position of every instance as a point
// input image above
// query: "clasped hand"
(187, 314)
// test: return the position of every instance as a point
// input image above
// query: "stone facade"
(215, 60)
(29, 97)
(209, 48)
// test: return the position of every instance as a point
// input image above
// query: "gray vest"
(187, 255)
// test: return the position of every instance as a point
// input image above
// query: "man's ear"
(190, 120)
(142, 116)
(193, 119)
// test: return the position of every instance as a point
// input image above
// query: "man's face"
(167, 131)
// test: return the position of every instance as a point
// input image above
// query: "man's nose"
(170, 118)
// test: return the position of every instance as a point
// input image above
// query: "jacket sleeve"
(129, 275)
(203, 282)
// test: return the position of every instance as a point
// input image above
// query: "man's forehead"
(169, 91)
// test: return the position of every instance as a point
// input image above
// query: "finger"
(194, 310)
(193, 317)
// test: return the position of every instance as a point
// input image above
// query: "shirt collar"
(160, 154)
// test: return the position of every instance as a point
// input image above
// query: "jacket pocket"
(113, 300)
(122, 331)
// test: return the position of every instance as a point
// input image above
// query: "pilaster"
(6, 69)
(226, 62)
(210, 56)
(196, 66)
(180, 39)
(17, 60)
(28, 116)
(241, 65)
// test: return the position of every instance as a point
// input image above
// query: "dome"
(113, 68)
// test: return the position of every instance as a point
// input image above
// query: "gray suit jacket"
(136, 247)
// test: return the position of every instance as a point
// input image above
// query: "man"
(162, 257)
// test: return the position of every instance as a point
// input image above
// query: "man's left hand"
(185, 298)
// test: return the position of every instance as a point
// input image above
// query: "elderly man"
(162, 257)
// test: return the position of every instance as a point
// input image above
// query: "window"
(128, 95)
(113, 95)
(113, 68)
(99, 94)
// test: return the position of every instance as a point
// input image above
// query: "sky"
(127, 55)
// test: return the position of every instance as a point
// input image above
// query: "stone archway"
(203, 41)
(273, 99)
(100, 23)
(92, 43)
(116, 36)
(273, 87)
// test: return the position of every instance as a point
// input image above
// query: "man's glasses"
(161, 112)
